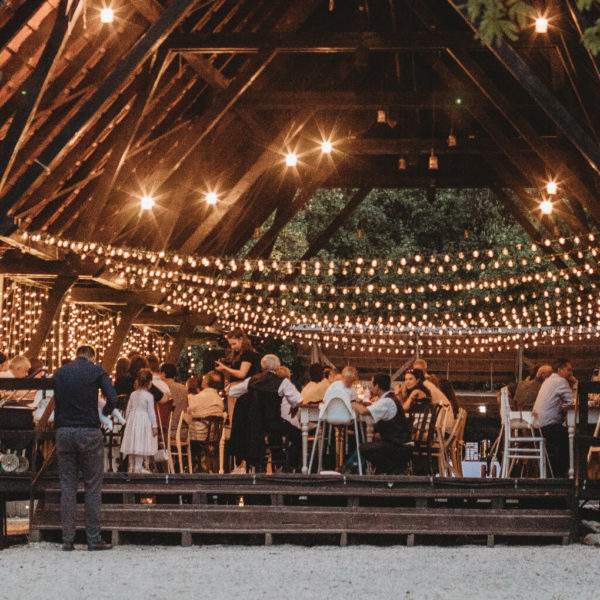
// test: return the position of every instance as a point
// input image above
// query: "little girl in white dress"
(140, 437)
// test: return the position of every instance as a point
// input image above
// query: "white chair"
(336, 411)
(530, 446)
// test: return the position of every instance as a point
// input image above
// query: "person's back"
(79, 441)
(76, 386)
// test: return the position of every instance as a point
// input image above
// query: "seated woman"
(416, 395)
(205, 402)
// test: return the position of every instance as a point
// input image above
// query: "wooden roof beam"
(128, 128)
(325, 236)
(553, 158)
(66, 14)
(545, 99)
(321, 42)
(143, 48)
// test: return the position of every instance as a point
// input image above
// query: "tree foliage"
(499, 19)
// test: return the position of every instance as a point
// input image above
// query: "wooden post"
(1, 294)
(61, 286)
(186, 329)
(520, 359)
(127, 318)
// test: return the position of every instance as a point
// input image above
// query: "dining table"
(570, 417)
(309, 413)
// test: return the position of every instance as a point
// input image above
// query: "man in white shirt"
(388, 454)
(258, 413)
(556, 391)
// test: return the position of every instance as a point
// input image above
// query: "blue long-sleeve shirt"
(76, 386)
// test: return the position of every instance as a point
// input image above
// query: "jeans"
(80, 449)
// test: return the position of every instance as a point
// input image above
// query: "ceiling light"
(402, 164)
(326, 147)
(291, 160)
(433, 161)
(546, 207)
(107, 15)
(482, 409)
(211, 198)
(541, 25)
(451, 141)
(552, 187)
(147, 202)
(381, 116)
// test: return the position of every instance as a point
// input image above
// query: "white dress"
(141, 418)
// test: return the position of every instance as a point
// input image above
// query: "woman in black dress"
(242, 363)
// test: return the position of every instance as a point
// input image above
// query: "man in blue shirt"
(79, 441)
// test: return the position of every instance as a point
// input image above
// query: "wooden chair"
(450, 452)
(182, 447)
(212, 444)
(423, 419)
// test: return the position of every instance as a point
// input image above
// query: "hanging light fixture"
(381, 116)
(107, 15)
(433, 161)
(451, 140)
(211, 198)
(552, 188)
(326, 147)
(147, 202)
(402, 164)
(546, 207)
(291, 160)
(541, 25)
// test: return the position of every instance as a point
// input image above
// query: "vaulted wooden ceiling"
(176, 98)
(183, 97)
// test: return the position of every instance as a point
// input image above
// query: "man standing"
(79, 442)
(388, 454)
(555, 392)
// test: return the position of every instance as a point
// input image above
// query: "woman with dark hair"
(243, 362)
(123, 379)
(449, 392)
(415, 391)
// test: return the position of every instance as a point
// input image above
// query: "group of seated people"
(266, 412)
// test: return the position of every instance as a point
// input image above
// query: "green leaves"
(499, 19)
(591, 38)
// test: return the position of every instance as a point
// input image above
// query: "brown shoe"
(101, 545)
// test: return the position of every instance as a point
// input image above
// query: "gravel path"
(44, 572)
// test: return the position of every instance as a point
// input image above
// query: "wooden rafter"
(325, 236)
(35, 86)
(143, 48)
(546, 100)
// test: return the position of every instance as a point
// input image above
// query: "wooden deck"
(340, 510)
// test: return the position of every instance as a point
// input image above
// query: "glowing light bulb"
(147, 202)
(541, 25)
(211, 198)
(107, 15)
(551, 187)
(546, 207)
(326, 147)
(291, 160)
(433, 161)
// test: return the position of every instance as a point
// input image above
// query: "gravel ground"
(44, 572)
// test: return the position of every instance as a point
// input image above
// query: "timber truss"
(176, 98)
